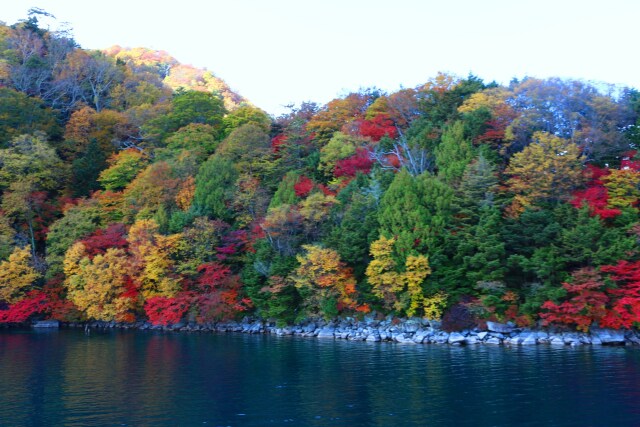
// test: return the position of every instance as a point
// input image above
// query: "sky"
(280, 52)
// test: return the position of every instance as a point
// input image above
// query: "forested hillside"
(134, 187)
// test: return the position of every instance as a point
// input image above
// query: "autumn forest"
(136, 188)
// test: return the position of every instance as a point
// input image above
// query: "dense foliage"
(134, 187)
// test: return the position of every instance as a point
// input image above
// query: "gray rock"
(570, 338)
(374, 337)
(472, 339)
(385, 335)
(419, 337)
(456, 338)
(441, 338)
(529, 339)
(608, 336)
(435, 324)
(358, 336)
(556, 340)
(633, 339)
(256, 328)
(403, 339)
(47, 324)
(411, 326)
(177, 326)
(515, 340)
(502, 328)
(326, 332)
(584, 339)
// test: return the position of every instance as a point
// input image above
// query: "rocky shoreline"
(408, 331)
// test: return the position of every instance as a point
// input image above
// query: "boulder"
(374, 337)
(571, 338)
(403, 339)
(633, 339)
(503, 328)
(420, 336)
(608, 336)
(516, 340)
(326, 332)
(411, 326)
(358, 336)
(529, 339)
(456, 338)
(556, 340)
(47, 324)
(584, 339)
(472, 339)
(256, 328)
(309, 327)
(435, 324)
(441, 338)
(178, 326)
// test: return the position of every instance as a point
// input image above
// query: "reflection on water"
(134, 378)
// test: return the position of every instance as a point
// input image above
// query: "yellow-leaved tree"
(417, 269)
(402, 291)
(152, 256)
(98, 285)
(547, 170)
(325, 283)
(622, 188)
(381, 272)
(17, 275)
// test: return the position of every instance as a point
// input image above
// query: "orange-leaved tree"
(324, 281)
(99, 286)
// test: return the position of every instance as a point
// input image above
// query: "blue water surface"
(127, 378)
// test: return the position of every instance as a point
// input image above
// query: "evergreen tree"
(404, 216)
(486, 251)
(453, 154)
(86, 170)
(215, 183)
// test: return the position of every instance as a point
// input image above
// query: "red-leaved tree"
(625, 298)
(359, 162)
(380, 126)
(167, 311)
(33, 302)
(303, 187)
(586, 301)
(590, 300)
(100, 240)
(219, 293)
(595, 196)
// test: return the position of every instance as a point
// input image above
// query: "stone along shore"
(411, 331)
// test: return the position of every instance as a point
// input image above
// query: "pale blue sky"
(288, 51)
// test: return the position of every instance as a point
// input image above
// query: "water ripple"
(131, 378)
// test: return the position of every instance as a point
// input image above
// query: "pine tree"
(453, 154)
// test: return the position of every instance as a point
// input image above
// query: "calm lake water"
(116, 378)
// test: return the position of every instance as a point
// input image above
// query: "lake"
(134, 378)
